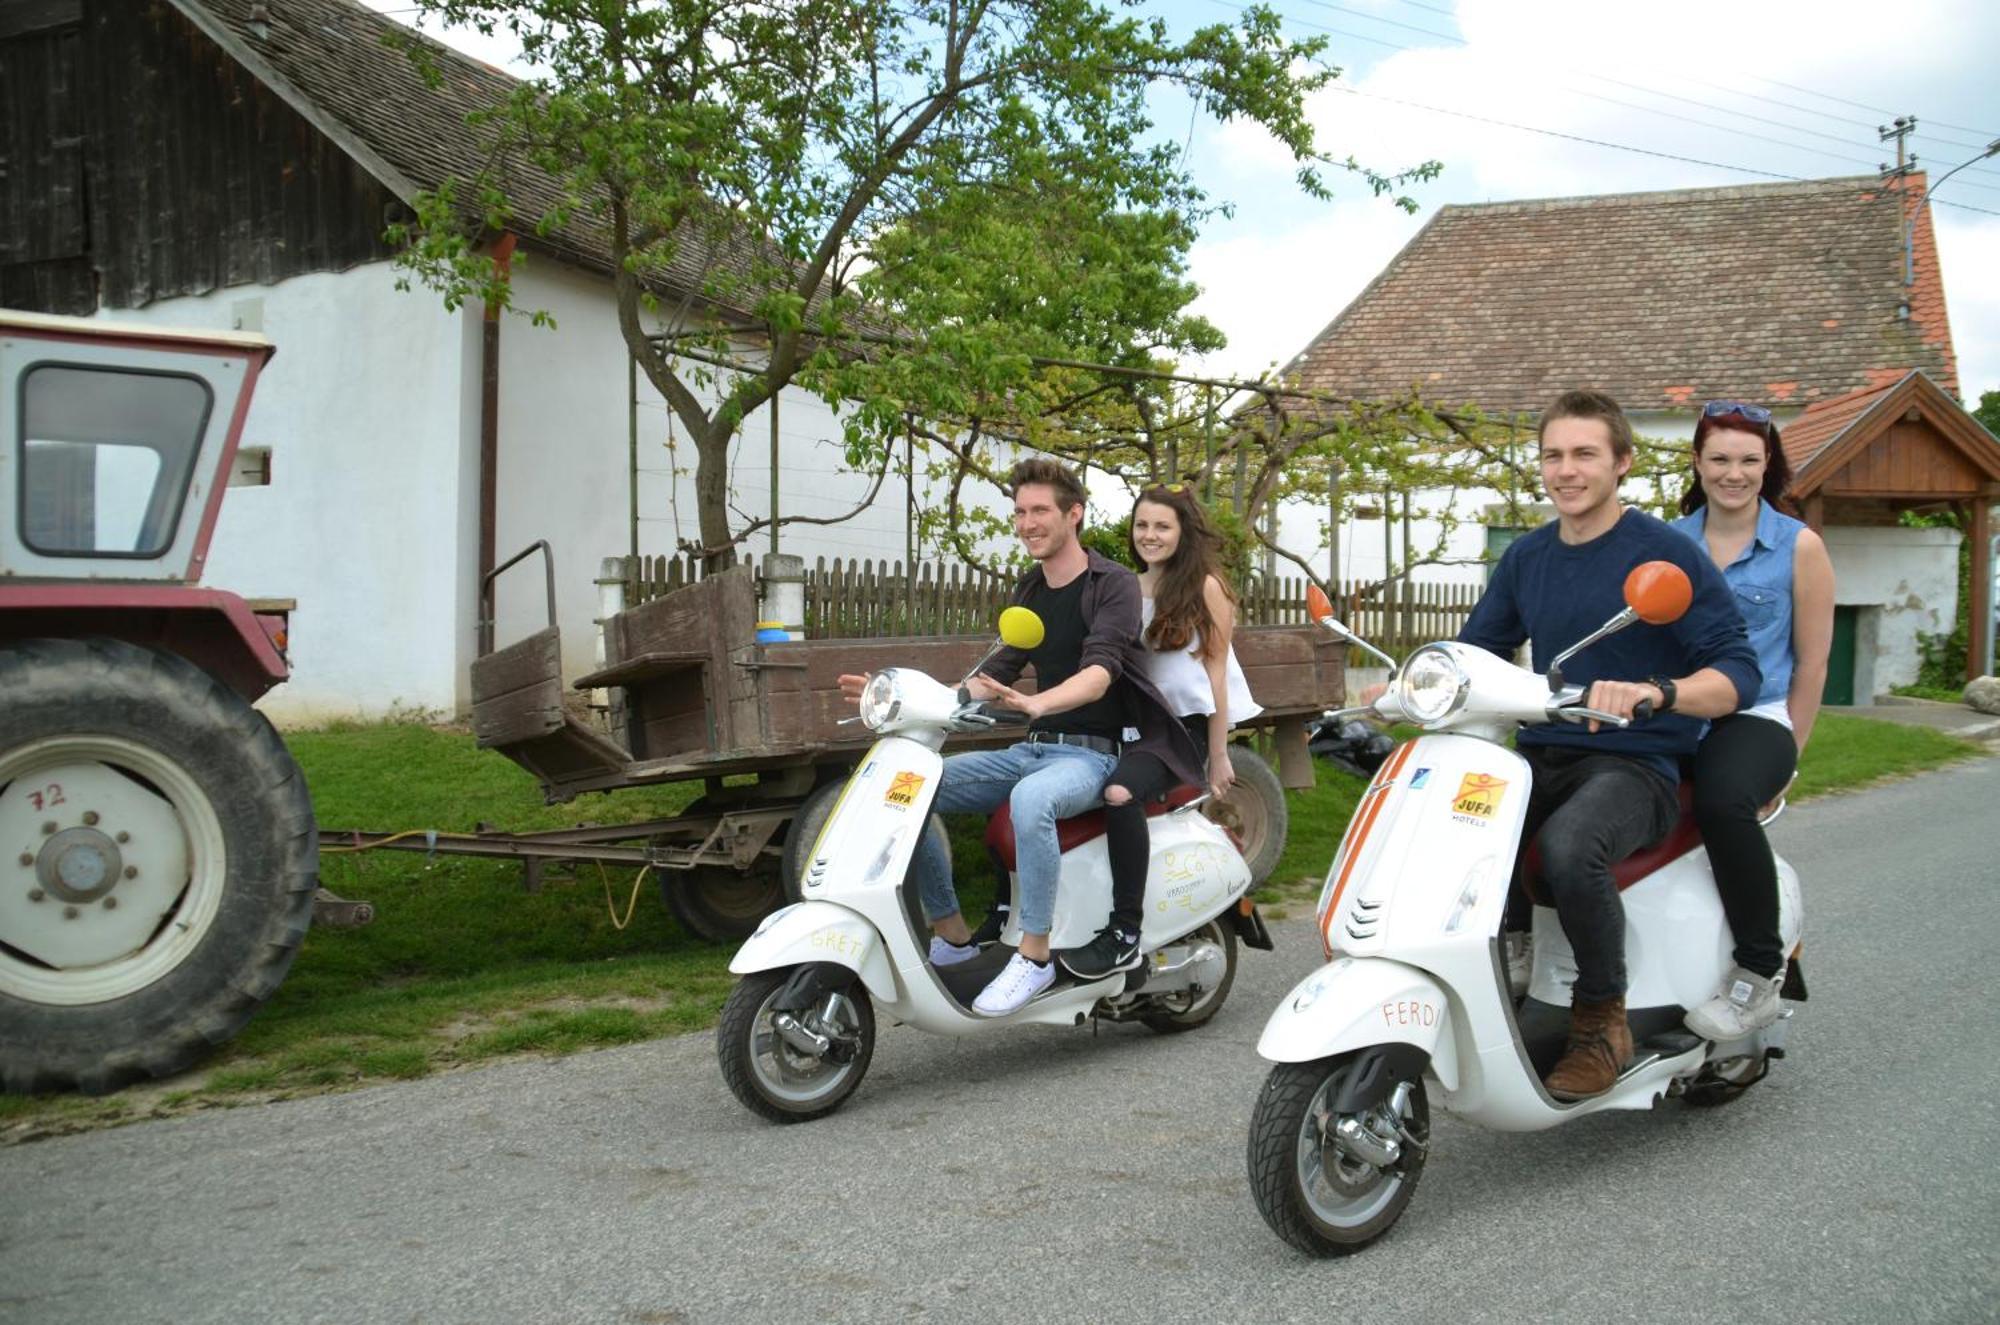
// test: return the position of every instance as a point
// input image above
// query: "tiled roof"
(1784, 293)
(328, 58)
(1825, 420)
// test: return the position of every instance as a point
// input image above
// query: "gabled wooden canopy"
(1907, 441)
(1862, 457)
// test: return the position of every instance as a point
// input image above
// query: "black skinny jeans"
(1592, 811)
(1126, 838)
(1743, 763)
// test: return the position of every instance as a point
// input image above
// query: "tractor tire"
(158, 859)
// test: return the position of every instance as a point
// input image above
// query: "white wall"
(1910, 578)
(1302, 525)
(564, 464)
(363, 411)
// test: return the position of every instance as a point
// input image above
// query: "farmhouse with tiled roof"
(1818, 298)
(1785, 293)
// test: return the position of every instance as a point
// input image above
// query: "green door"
(1840, 659)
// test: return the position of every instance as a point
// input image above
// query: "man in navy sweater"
(1600, 795)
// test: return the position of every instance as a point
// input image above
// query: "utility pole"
(774, 473)
(632, 457)
(1207, 441)
(1904, 126)
(1333, 528)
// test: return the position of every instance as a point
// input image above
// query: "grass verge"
(463, 966)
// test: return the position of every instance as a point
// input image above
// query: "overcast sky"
(1743, 90)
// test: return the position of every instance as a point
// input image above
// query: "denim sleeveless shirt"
(1761, 578)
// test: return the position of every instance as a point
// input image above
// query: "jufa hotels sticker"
(903, 790)
(1478, 796)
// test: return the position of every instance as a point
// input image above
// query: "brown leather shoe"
(1600, 1041)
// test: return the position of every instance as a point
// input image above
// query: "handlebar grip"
(1642, 710)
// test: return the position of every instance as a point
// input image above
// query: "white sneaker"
(1018, 982)
(1747, 1004)
(947, 953)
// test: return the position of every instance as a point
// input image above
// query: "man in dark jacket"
(1090, 688)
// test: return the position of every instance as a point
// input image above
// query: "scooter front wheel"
(1331, 1183)
(792, 1067)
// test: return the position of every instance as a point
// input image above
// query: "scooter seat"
(1682, 838)
(1071, 832)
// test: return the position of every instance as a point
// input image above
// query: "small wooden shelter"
(1866, 457)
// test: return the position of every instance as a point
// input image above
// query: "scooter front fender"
(1354, 1002)
(819, 932)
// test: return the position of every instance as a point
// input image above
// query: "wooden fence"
(869, 599)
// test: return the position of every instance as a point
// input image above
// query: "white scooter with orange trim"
(1415, 997)
(798, 1031)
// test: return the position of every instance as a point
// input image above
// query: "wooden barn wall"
(44, 241)
(193, 176)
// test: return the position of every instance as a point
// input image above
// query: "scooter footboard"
(1351, 1004)
(819, 932)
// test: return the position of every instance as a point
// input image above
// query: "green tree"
(897, 206)
(1988, 412)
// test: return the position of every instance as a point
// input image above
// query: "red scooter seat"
(1072, 832)
(1682, 838)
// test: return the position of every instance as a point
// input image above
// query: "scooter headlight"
(881, 699)
(1432, 685)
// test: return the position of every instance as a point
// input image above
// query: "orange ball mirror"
(1658, 592)
(1318, 608)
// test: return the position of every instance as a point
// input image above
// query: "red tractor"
(157, 852)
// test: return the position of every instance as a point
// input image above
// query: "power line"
(1637, 87)
(1579, 138)
(1986, 135)
(1620, 147)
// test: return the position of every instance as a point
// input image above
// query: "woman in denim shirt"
(1784, 586)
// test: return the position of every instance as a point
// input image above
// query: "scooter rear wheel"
(775, 1078)
(1185, 1011)
(1315, 1189)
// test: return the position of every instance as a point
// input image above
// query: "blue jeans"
(1044, 783)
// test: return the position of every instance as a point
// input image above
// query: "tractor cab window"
(106, 458)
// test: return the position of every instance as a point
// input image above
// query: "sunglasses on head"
(1724, 409)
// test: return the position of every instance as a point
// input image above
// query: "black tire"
(190, 748)
(744, 1038)
(1322, 1210)
(1187, 1010)
(723, 905)
(803, 831)
(1255, 812)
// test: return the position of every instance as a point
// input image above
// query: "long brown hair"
(1180, 606)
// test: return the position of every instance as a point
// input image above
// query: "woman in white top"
(1187, 617)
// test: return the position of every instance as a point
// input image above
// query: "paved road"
(1096, 1177)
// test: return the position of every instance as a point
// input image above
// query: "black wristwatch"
(1667, 689)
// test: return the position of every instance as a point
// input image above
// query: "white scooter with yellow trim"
(798, 1031)
(1415, 997)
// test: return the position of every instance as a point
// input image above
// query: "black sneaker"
(1113, 950)
(989, 928)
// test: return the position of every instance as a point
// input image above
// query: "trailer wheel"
(157, 863)
(1255, 811)
(803, 831)
(720, 904)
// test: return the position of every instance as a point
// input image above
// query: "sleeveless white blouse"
(1182, 680)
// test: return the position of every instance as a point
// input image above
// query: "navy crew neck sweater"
(1553, 593)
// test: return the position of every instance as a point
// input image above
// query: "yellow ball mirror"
(1020, 628)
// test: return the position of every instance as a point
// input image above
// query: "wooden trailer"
(692, 696)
